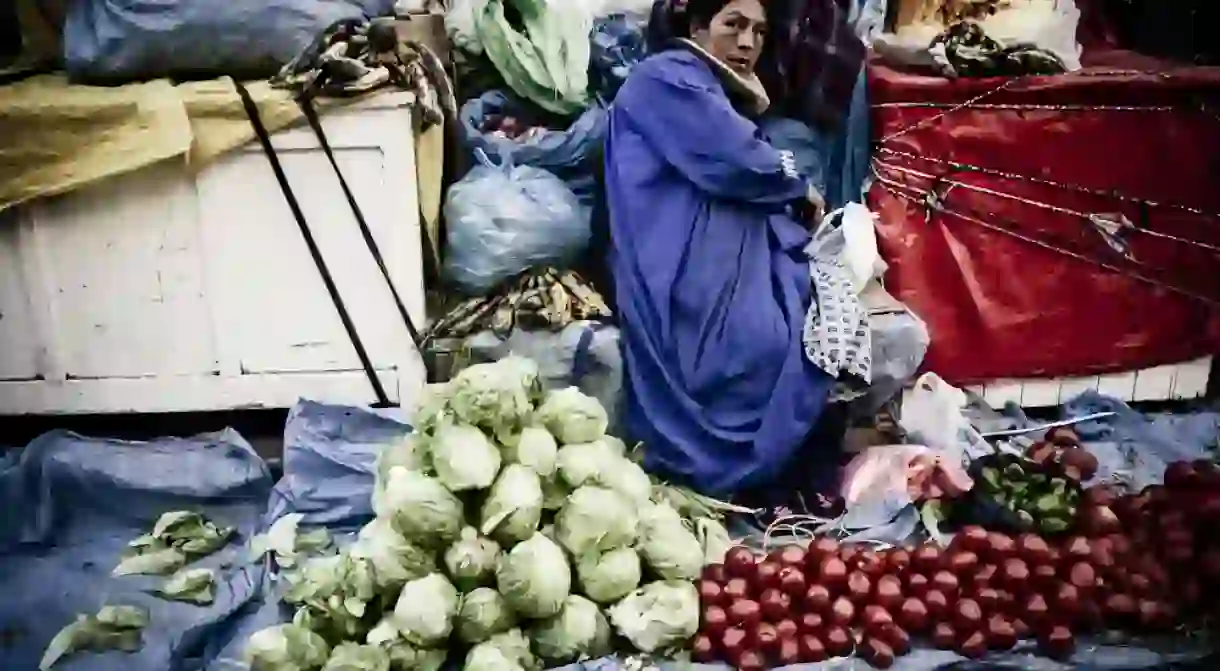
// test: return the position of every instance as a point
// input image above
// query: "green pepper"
(991, 477)
(1048, 503)
(1025, 518)
(1053, 525)
(1014, 472)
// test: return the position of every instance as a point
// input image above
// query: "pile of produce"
(510, 533)
(985, 592)
(510, 128)
(1061, 451)
(1037, 494)
(1159, 544)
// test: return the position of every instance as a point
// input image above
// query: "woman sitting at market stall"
(709, 274)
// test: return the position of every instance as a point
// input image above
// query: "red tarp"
(1002, 306)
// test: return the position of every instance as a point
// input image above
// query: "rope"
(966, 167)
(933, 199)
(930, 200)
(1027, 201)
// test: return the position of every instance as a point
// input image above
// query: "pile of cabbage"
(511, 534)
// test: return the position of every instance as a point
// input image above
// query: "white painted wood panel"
(1173, 382)
(164, 290)
(19, 346)
(123, 273)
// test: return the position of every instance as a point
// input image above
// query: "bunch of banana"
(540, 299)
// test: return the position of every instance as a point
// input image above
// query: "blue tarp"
(70, 506)
(71, 503)
(124, 40)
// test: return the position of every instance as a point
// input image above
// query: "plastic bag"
(570, 153)
(900, 341)
(618, 44)
(136, 39)
(504, 220)
(868, 18)
(881, 481)
(548, 61)
(932, 415)
(460, 24)
(849, 236)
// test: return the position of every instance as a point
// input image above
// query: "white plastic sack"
(932, 415)
(867, 17)
(853, 241)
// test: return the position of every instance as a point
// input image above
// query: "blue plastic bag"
(617, 45)
(571, 154)
(71, 504)
(505, 219)
(115, 40)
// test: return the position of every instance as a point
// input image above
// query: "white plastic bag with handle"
(853, 241)
(932, 415)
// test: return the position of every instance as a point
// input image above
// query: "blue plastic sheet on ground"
(329, 459)
(71, 503)
(330, 455)
(70, 506)
(1134, 445)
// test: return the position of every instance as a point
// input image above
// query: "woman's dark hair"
(673, 19)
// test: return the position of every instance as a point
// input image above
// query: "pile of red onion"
(985, 592)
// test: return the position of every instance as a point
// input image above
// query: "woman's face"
(735, 35)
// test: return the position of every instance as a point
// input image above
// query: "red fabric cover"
(998, 306)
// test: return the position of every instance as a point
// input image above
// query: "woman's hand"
(815, 208)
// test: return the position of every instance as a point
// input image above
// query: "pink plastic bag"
(903, 471)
